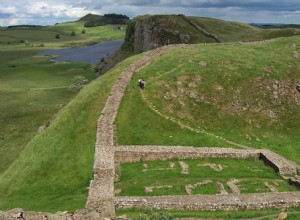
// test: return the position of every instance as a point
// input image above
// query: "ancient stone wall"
(101, 190)
(212, 202)
(129, 154)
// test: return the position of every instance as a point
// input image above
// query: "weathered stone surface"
(212, 202)
(129, 154)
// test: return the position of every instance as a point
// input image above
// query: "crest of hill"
(149, 32)
(92, 20)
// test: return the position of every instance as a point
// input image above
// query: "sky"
(49, 12)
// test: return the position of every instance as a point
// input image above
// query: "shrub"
(83, 31)
(73, 33)
(57, 36)
(78, 82)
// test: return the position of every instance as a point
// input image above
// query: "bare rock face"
(149, 35)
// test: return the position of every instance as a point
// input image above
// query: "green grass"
(266, 214)
(229, 90)
(32, 89)
(26, 103)
(36, 36)
(251, 173)
(235, 31)
(54, 170)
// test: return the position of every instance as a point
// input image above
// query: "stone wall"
(212, 202)
(101, 190)
(129, 154)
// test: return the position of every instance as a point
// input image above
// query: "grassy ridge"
(245, 93)
(235, 31)
(54, 170)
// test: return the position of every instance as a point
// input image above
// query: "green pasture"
(244, 93)
(32, 91)
(54, 169)
(251, 173)
(45, 37)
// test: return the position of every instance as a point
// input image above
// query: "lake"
(90, 54)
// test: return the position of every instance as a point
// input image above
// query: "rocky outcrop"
(151, 32)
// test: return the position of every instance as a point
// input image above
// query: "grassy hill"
(54, 170)
(244, 93)
(226, 89)
(33, 89)
(235, 31)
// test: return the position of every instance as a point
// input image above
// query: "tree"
(78, 82)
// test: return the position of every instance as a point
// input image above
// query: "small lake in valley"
(90, 54)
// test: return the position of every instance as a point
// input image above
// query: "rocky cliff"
(149, 32)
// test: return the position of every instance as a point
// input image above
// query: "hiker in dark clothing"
(141, 83)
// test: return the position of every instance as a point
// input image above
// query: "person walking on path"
(141, 83)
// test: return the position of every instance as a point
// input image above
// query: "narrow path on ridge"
(197, 130)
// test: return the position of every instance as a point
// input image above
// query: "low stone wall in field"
(212, 202)
(130, 154)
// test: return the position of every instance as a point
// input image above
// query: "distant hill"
(92, 20)
(271, 25)
(149, 32)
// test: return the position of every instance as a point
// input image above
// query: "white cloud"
(53, 11)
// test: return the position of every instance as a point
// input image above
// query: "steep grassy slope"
(53, 171)
(32, 90)
(245, 93)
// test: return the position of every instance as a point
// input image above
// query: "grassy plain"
(40, 37)
(245, 93)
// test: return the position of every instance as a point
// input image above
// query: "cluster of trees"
(97, 20)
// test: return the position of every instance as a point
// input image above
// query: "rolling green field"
(45, 37)
(252, 177)
(54, 170)
(33, 91)
(245, 93)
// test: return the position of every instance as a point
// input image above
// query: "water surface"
(90, 54)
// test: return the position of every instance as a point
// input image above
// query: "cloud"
(53, 11)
